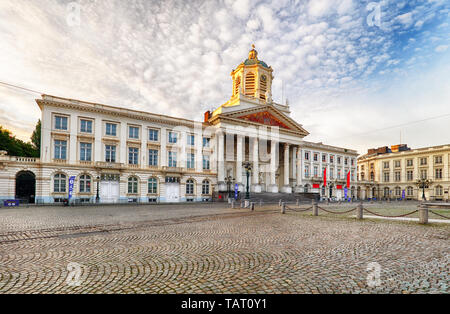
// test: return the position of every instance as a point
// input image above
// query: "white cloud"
(441, 48)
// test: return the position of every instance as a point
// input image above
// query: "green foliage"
(16, 147)
(36, 137)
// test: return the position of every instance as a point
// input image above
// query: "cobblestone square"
(210, 248)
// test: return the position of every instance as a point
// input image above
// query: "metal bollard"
(232, 204)
(283, 208)
(253, 206)
(423, 214)
(279, 203)
(359, 211)
(315, 209)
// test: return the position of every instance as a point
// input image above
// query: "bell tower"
(253, 78)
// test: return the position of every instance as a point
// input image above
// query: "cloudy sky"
(356, 73)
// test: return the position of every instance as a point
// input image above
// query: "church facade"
(99, 153)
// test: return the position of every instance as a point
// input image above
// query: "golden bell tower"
(253, 78)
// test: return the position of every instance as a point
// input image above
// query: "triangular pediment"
(264, 115)
(265, 118)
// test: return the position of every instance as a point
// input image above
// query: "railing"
(27, 159)
(423, 211)
(109, 165)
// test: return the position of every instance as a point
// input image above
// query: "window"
(353, 161)
(132, 185)
(306, 188)
(386, 192)
(362, 167)
(316, 157)
(339, 160)
(61, 123)
(423, 174)
(133, 155)
(110, 153)
(410, 191)
(153, 157)
(206, 162)
(324, 158)
(371, 166)
(153, 135)
(362, 176)
(316, 171)
(386, 164)
(173, 137)
(85, 151)
(206, 142)
(85, 126)
(439, 190)
(438, 160)
(345, 161)
(152, 186)
(306, 171)
(190, 187)
(409, 175)
(423, 161)
(85, 184)
(397, 176)
(331, 158)
(386, 177)
(59, 183)
(438, 174)
(172, 159)
(306, 155)
(190, 161)
(190, 140)
(205, 187)
(409, 163)
(397, 164)
(331, 173)
(60, 149)
(339, 173)
(372, 176)
(398, 191)
(133, 132)
(111, 129)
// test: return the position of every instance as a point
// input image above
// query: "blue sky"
(345, 69)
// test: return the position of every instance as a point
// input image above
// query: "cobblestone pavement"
(211, 249)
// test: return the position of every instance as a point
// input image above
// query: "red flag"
(348, 179)
(325, 177)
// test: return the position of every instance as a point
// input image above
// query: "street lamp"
(97, 198)
(229, 180)
(424, 184)
(248, 169)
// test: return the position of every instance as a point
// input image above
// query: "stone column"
(294, 162)
(239, 160)
(286, 187)
(221, 162)
(298, 187)
(163, 153)
(273, 188)
(255, 187)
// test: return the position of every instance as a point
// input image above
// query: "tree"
(36, 137)
(14, 146)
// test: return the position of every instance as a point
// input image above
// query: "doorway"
(26, 186)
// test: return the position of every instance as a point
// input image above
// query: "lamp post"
(229, 180)
(248, 169)
(97, 198)
(424, 184)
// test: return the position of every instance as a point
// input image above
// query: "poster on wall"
(71, 182)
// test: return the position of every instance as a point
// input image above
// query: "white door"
(109, 191)
(172, 192)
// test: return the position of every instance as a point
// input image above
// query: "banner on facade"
(71, 182)
(316, 186)
(236, 191)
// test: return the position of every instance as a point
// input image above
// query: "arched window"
(85, 183)
(132, 185)
(398, 191)
(250, 84)
(237, 84)
(59, 183)
(152, 186)
(205, 187)
(262, 87)
(439, 190)
(306, 188)
(190, 186)
(386, 192)
(410, 191)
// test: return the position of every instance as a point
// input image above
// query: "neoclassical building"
(110, 154)
(393, 172)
